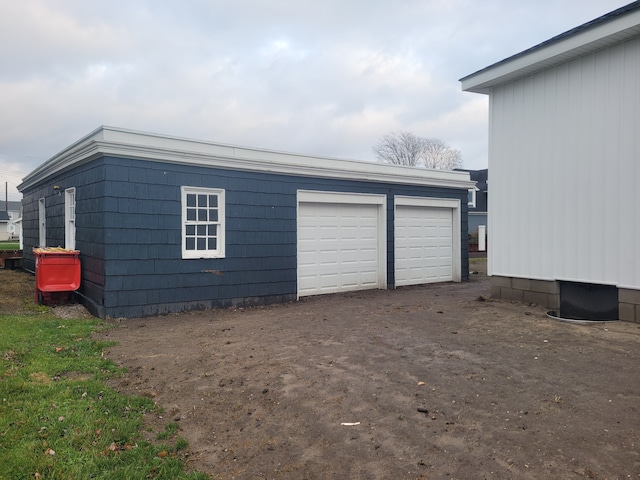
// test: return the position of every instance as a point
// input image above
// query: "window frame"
(219, 252)
(70, 218)
(472, 203)
(42, 222)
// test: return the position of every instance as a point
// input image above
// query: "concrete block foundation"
(547, 294)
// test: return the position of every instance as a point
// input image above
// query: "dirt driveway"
(421, 382)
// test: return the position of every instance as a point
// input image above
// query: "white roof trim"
(160, 148)
(566, 48)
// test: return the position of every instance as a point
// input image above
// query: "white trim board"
(154, 147)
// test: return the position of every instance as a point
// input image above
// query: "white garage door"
(339, 245)
(423, 244)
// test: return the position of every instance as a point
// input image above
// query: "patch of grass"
(169, 431)
(17, 293)
(477, 259)
(9, 246)
(58, 418)
(181, 444)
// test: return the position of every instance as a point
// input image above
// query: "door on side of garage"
(341, 242)
(427, 240)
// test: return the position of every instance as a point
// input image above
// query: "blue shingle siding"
(129, 221)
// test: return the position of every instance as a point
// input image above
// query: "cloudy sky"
(323, 77)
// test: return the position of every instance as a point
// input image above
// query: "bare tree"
(400, 148)
(438, 154)
(403, 148)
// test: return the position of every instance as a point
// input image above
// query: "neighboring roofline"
(117, 142)
(605, 31)
(470, 170)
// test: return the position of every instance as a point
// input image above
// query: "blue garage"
(167, 224)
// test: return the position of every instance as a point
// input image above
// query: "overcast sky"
(323, 77)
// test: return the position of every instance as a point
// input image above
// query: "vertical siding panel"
(547, 184)
(494, 233)
(574, 175)
(558, 161)
(520, 166)
(539, 179)
(506, 133)
(629, 174)
(521, 174)
(614, 138)
(584, 144)
(499, 105)
(599, 131)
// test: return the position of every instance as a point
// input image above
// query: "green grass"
(477, 259)
(170, 430)
(9, 246)
(59, 419)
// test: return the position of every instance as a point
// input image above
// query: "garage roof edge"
(106, 141)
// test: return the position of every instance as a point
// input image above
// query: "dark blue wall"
(475, 221)
(128, 229)
(482, 179)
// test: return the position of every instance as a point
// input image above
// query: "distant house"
(13, 208)
(565, 168)
(9, 215)
(4, 225)
(167, 224)
(477, 202)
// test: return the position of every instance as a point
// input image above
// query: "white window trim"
(70, 218)
(473, 191)
(18, 224)
(42, 222)
(341, 197)
(220, 251)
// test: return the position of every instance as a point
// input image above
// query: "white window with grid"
(202, 222)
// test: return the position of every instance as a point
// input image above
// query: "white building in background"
(564, 155)
(9, 214)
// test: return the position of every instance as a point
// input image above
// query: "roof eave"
(110, 141)
(561, 49)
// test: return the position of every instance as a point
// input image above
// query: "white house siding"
(552, 138)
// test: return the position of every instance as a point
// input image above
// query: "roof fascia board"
(110, 141)
(546, 55)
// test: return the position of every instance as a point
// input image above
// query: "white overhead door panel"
(425, 243)
(338, 246)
